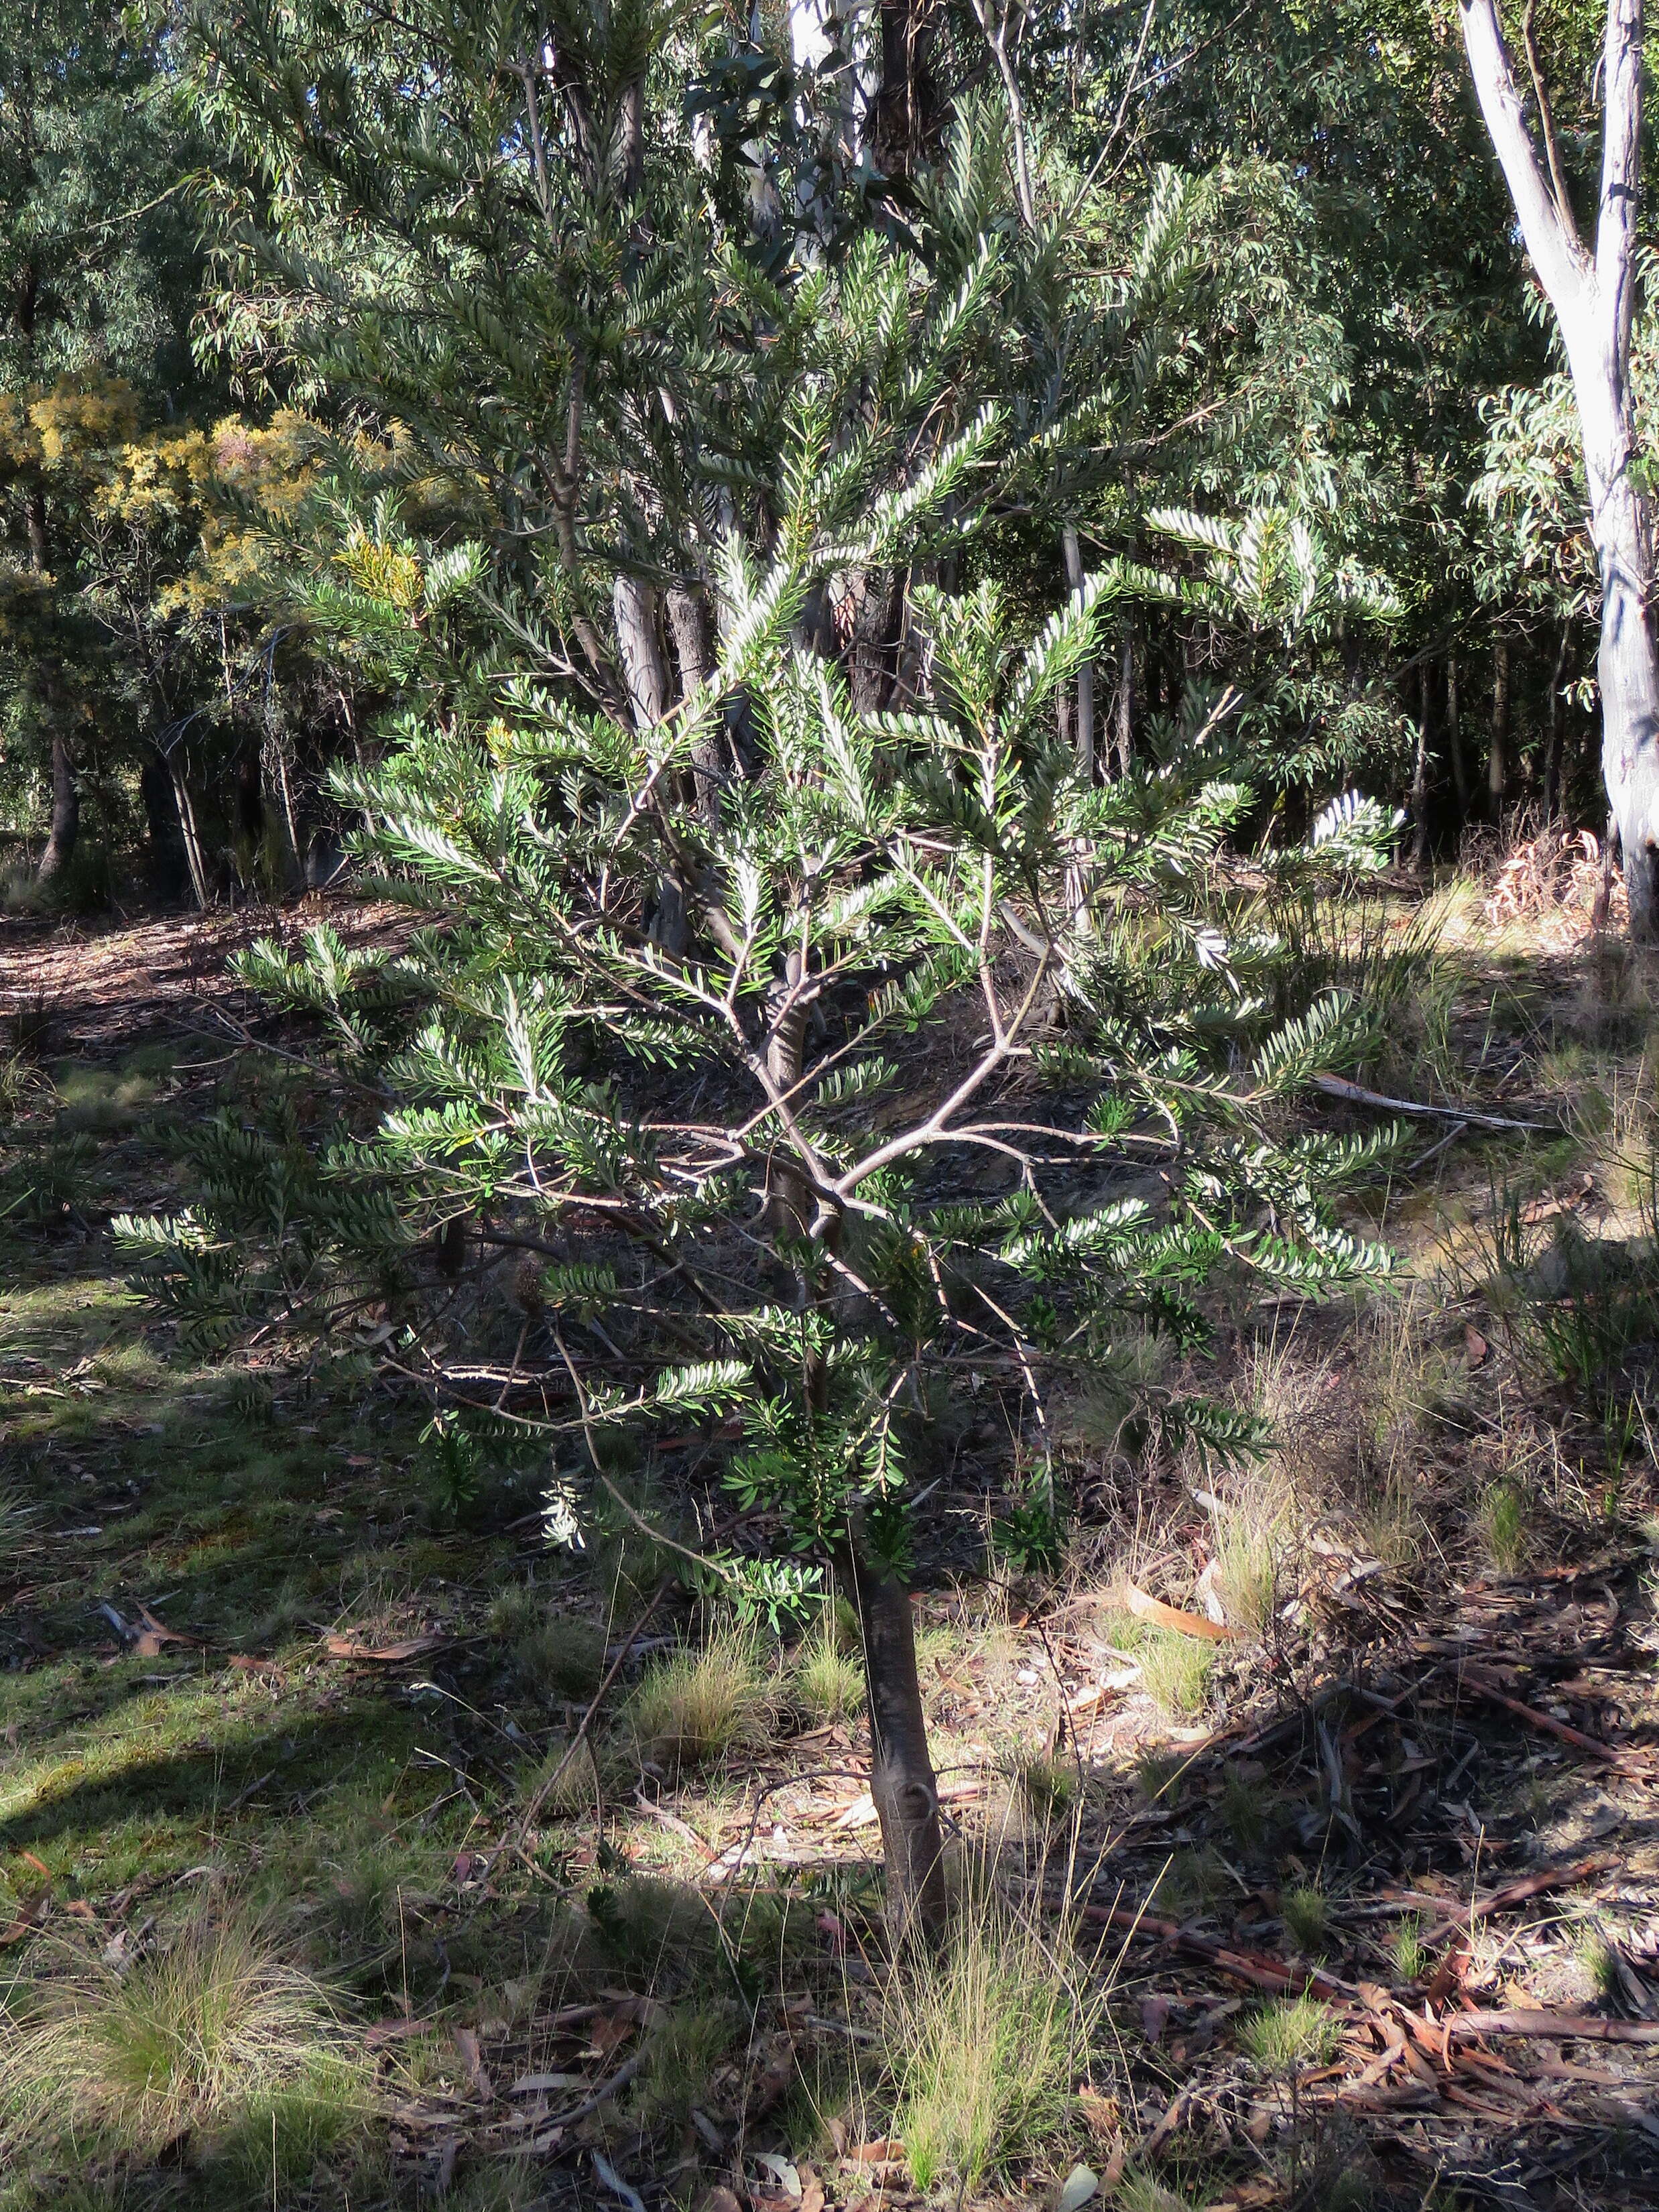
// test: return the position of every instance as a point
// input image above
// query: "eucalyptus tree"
(1593, 289)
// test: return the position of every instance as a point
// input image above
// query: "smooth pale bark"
(195, 854)
(639, 647)
(1594, 295)
(1497, 760)
(693, 633)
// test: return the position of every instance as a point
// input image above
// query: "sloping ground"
(1356, 1839)
(101, 986)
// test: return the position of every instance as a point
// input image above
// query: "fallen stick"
(1562, 2024)
(1517, 1892)
(1338, 1086)
(1629, 1762)
(1257, 1974)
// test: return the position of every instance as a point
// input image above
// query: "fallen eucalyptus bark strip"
(1145, 1606)
(1338, 1086)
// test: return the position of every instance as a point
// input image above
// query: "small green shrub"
(1159, 1776)
(685, 2048)
(1244, 1814)
(1195, 1880)
(1307, 1917)
(1140, 2191)
(1503, 1527)
(1600, 1960)
(1412, 1959)
(557, 1654)
(826, 1680)
(1577, 1306)
(1248, 1547)
(1046, 1785)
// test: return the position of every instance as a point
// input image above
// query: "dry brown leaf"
(155, 1636)
(467, 2042)
(1102, 2115)
(27, 1920)
(393, 2031)
(1153, 1609)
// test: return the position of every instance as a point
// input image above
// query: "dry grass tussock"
(697, 1705)
(186, 2040)
(987, 2042)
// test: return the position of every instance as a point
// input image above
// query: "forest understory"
(1304, 1848)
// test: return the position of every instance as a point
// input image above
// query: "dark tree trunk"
(870, 646)
(1420, 799)
(903, 1783)
(906, 111)
(1126, 695)
(169, 872)
(1455, 743)
(1557, 729)
(250, 790)
(1497, 760)
(66, 813)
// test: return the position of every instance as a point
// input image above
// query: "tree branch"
(1547, 121)
(1562, 265)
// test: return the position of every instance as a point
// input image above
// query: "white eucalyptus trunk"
(1593, 296)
